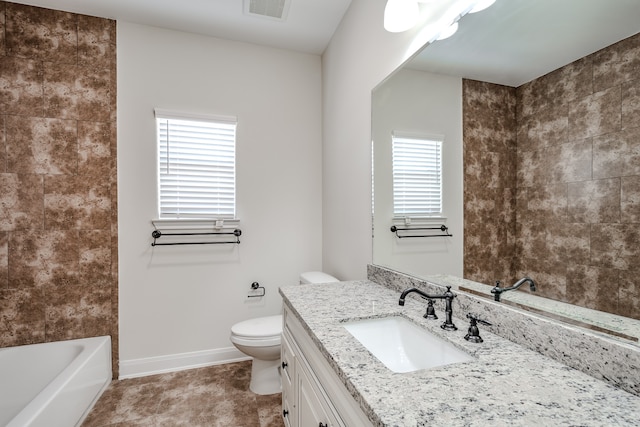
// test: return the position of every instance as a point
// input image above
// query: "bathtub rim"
(91, 346)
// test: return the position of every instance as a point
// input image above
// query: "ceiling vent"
(271, 9)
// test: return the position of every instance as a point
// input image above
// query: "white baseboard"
(177, 362)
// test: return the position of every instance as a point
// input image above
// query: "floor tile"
(208, 397)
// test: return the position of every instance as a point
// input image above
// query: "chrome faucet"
(448, 296)
(497, 290)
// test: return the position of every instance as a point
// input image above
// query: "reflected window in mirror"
(417, 175)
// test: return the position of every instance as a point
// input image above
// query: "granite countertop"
(506, 385)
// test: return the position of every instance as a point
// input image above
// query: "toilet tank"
(316, 277)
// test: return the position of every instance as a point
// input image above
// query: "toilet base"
(265, 377)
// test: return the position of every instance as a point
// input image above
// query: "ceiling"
(308, 27)
(516, 41)
(510, 43)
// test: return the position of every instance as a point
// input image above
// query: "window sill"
(418, 221)
(195, 224)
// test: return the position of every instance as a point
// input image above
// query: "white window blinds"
(417, 176)
(196, 159)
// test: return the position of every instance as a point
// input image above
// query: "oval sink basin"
(403, 346)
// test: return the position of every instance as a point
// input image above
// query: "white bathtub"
(53, 384)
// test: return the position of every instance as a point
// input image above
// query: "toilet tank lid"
(259, 327)
(317, 277)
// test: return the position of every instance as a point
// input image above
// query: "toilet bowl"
(260, 338)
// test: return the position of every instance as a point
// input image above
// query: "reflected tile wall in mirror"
(489, 138)
(574, 215)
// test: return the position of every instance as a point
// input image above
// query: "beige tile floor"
(208, 397)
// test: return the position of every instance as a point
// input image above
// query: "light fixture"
(400, 15)
(448, 32)
(481, 5)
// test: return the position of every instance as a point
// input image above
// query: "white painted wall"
(177, 300)
(361, 54)
(425, 104)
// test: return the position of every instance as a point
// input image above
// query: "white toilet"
(260, 339)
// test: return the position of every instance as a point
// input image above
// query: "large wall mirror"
(537, 107)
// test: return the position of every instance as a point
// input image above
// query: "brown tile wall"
(489, 134)
(577, 201)
(58, 211)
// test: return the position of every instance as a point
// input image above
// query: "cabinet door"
(311, 412)
(288, 364)
(288, 416)
(288, 375)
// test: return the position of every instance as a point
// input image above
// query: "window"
(417, 175)
(196, 159)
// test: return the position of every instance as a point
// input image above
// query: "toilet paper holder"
(256, 286)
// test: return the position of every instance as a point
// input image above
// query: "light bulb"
(400, 15)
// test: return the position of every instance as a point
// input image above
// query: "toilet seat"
(261, 331)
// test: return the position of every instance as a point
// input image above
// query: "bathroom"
(171, 307)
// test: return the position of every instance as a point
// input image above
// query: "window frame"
(425, 138)
(206, 218)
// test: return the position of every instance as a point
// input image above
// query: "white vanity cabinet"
(312, 394)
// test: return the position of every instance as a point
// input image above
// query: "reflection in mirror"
(404, 104)
(541, 155)
(623, 328)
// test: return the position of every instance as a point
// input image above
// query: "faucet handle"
(496, 291)
(477, 319)
(431, 311)
(473, 334)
